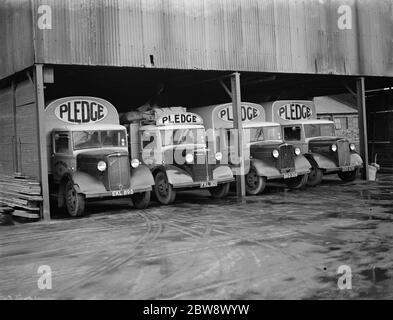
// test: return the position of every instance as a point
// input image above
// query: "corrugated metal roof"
(329, 105)
(297, 36)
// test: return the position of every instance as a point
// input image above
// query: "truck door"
(62, 159)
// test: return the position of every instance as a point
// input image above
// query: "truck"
(327, 153)
(267, 156)
(171, 142)
(88, 158)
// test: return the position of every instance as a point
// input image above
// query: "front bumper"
(198, 184)
(116, 193)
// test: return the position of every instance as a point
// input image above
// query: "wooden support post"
(237, 124)
(361, 102)
(14, 139)
(43, 160)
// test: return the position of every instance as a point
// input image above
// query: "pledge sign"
(295, 111)
(81, 111)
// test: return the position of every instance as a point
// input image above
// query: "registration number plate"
(208, 184)
(346, 169)
(290, 175)
(125, 192)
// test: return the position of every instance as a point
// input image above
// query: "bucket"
(372, 173)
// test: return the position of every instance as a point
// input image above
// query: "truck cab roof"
(172, 127)
(90, 127)
(313, 121)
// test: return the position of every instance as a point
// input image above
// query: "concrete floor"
(280, 245)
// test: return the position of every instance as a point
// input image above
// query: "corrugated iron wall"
(296, 36)
(16, 36)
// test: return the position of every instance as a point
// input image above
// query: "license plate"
(119, 193)
(290, 175)
(208, 184)
(346, 169)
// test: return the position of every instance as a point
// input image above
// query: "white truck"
(327, 153)
(270, 158)
(88, 155)
(171, 142)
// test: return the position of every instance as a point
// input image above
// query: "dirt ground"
(280, 245)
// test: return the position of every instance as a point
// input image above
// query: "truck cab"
(267, 157)
(327, 153)
(88, 155)
(172, 143)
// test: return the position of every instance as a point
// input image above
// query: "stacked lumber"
(22, 194)
(5, 215)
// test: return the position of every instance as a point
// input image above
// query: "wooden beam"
(225, 88)
(237, 125)
(43, 160)
(14, 139)
(361, 102)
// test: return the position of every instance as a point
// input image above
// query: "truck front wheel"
(74, 201)
(255, 184)
(163, 190)
(348, 176)
(298, 182)
(141, 200)
(220, 191)
(315, 177)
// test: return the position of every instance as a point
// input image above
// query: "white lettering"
(344, 21)
(45, 18)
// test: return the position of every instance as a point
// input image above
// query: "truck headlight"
(189, 158)
(135, 163)
(334, 147)
(297, 151)
(352, 147)
(275, 153)
(218, 156)
(101, 166)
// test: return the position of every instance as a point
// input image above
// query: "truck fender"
(222, 173)
(302, 164)
(356, 160)
(141, 177)
(264, 169)
(321, 161)
(84, 183)
(175, 175)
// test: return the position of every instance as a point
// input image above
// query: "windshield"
(265, 134)
(183, 136)
(319, 130)
(98, 139)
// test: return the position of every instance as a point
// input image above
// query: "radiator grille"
(118, 172)
(286, 158)
(201, 171)
(343, 154)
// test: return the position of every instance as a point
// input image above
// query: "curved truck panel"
(302, 165)
(356, 160)
(177, 176)
(141, 178)
(223, 174)
(266, 169)
(87, 184)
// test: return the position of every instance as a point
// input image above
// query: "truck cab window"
(292, 133)
(147, 138)
(61, 143)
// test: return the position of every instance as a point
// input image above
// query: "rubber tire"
(298, 182)
(315, 177)
(141, 200)
(348, 176)
(170, 196)
(257, 186)
(74, 201)
(220, 191)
